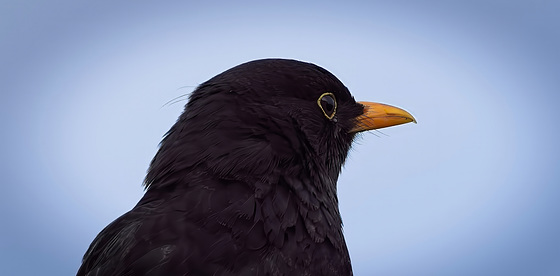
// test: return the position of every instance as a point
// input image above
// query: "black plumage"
(244, 183)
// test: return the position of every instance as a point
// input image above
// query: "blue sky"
(472, 189)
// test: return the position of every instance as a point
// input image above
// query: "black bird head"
(244, 183)
(263, 116)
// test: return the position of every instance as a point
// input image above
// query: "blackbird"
(244, 183)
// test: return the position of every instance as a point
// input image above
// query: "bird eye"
(327, 103)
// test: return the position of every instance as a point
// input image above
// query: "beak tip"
(410, 117)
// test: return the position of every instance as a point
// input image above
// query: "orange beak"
(378, 115)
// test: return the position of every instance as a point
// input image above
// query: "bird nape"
(244, 183)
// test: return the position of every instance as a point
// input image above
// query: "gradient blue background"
(472, 189)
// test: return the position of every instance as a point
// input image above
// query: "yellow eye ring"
(327, 103)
